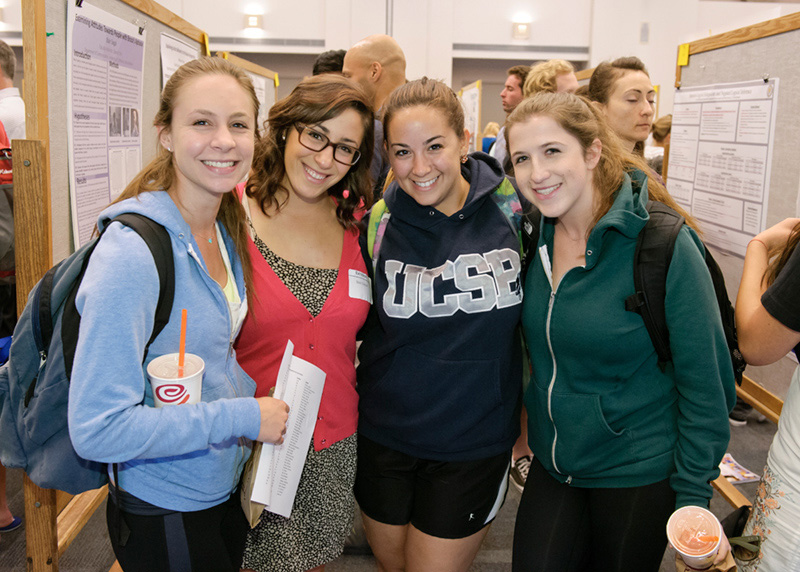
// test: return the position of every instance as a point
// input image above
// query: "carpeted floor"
(91, 551)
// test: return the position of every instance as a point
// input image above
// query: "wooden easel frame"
(53, 518)
(754, 32)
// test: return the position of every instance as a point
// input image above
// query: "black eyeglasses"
(316, 141)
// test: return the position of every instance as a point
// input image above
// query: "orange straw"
(182, 350)
(708, 538)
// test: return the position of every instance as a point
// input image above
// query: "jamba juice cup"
(171, 389)
(695, 534)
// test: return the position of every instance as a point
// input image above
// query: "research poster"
(175, 53)
(471, 102)
(262, 85)
(104, 85)
(720, 158)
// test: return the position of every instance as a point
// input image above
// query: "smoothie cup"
(695, 534)
(170, 388)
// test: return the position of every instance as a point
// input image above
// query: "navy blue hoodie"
(440, 365)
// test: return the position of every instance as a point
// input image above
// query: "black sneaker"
(741, 411)
(519, 471)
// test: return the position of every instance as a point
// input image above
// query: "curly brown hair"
(314, 100)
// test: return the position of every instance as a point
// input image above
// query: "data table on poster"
(720, 158)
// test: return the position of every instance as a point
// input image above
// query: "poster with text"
(720, 158)
(104, 103)
(471, 102)
(175, 53)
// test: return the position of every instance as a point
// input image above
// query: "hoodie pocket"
(437, 404)
(585, 444)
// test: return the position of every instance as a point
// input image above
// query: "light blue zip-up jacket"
(180, 457)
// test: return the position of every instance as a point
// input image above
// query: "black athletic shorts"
(445, 499)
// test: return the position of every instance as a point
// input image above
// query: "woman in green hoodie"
(619, 444)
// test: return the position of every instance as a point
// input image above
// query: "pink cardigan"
(328, 340)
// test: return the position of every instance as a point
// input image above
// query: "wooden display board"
(758, 52)
(42, 208)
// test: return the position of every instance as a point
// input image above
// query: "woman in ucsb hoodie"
(619, 444)
(440, 366)
(173, 507)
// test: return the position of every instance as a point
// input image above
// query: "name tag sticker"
(360, 286)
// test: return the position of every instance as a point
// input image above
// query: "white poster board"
(104, 106)
(175, 53)
(471, 102)
(721, 158)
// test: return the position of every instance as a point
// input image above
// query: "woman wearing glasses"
(310, 182)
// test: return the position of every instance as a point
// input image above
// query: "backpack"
(34, 383)
(504, 196)
(654, 247)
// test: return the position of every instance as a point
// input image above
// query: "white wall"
(616, 27)
(438, 34)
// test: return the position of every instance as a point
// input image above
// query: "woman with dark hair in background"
(626, 96)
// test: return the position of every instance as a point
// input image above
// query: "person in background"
(626, 96)
(554, 76)
(12, 107)
(489, 135)
(331, 61)
(440, 369)
(8, 282)
(619, 443)
(310, 180)
(378, 65)
(768, 326)
(654, 154)
(510, 97)
(172, 503)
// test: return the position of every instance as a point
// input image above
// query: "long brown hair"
(159, 174)
(777, 264)
(425, 92)
(584, 121)
(314, 100)
(605, 76)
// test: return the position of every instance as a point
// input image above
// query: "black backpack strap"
(529, 233)
(727, 314)
(654, 247)
(158, 241)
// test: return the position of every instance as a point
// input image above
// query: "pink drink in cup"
(169, 387)
(695, 534)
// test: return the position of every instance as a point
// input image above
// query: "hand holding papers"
(277, 468)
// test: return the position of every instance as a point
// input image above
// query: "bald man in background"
(378, 64)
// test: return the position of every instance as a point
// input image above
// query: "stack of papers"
(734, 472)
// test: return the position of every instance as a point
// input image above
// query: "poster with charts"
(104, 103)
(720, 158)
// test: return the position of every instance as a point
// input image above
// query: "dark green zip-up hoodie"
(600, 411)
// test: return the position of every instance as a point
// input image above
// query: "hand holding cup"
(274, 414)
